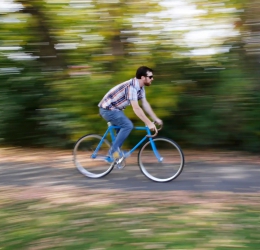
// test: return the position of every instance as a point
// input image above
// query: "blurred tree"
(58, 59)
(55, 103)
(220, 107)
(28, 87)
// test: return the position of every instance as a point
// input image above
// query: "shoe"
(119, 154)
(116, 154)
(112, 158)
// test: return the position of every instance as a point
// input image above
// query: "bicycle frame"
(110, 130)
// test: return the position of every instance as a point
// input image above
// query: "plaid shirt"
(119, 97)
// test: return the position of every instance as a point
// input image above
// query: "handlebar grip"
(151, 136)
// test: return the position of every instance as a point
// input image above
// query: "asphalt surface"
(196, 176)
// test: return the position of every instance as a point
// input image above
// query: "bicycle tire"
(172, 162)
(82, 152)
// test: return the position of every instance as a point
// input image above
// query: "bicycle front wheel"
(164, 167)
(89, 160)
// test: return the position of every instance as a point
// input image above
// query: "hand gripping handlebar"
(156, 132)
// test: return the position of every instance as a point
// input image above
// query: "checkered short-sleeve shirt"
(119, 97)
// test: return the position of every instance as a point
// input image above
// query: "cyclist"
(118, 98)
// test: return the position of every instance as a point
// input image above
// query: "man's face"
(148, 78)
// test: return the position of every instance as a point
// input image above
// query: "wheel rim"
(171, 165)
(83, 160)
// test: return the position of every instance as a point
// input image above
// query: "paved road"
(196, 176)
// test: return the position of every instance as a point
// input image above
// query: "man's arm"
(140, 113)
(148, 109)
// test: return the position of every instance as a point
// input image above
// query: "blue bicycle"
(160, 159)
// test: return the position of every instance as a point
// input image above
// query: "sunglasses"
(150, 77)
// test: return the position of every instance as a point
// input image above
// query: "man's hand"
(151, 126)
(158, 121)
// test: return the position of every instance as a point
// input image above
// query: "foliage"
(58, 59)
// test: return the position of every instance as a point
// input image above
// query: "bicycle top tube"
(136, 128)
(149, 135)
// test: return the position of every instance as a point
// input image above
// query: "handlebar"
(156, 132)
(160, 128)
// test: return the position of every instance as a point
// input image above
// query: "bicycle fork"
(156, 153)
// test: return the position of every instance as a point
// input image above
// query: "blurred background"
(59, 57)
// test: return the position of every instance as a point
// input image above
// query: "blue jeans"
(117, 118)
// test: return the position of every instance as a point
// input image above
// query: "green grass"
(127, 224)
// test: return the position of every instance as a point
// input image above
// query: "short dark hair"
(142, 71)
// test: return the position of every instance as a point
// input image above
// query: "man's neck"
(141, 84)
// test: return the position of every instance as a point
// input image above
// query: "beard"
(147, 83)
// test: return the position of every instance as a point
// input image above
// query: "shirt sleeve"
(132, 94)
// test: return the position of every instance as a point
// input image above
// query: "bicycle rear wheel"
(90, 164)
(170, 164)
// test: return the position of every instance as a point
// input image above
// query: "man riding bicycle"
(118, 98)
